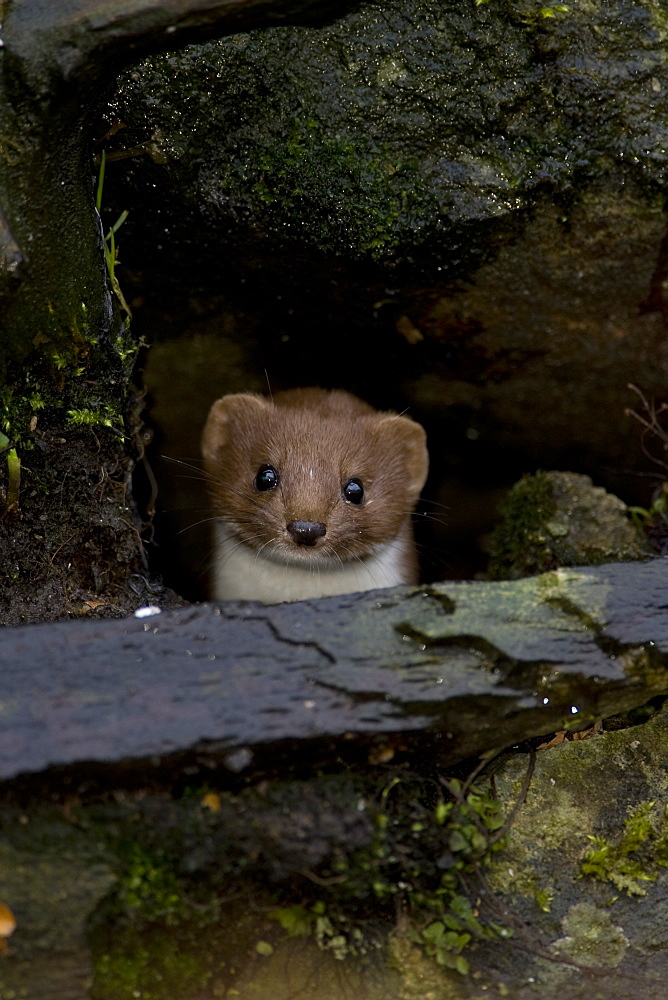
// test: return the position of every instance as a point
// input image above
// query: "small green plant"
(475, 828)
(444, 941)
(91, 418)
(110, 251)
(633, 859)
(422, 859)
(13, 475)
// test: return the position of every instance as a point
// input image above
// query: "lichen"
(552, 824)
(592, 939)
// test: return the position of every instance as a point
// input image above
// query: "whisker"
(196, 524)
(223, 558)
(204, 476)
(202, 473)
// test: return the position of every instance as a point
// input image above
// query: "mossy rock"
(402, 130)
(554, 519)
(585, 865)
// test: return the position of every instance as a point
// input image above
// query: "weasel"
(313, 493)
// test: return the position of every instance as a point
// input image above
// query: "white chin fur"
(240, 574)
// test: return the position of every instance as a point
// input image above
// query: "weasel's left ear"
(403, 435)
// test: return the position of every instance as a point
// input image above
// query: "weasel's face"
(319, 479)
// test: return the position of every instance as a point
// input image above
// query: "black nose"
(306, 532)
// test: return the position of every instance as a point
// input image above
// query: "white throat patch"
(238, 573)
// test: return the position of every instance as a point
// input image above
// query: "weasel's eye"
(266, 478)
(353, 491)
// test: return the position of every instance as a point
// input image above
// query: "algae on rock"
(583, 793)
(395, 128)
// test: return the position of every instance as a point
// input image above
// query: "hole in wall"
(204, 346)
(221, 353)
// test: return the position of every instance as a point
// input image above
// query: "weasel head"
(312, 477)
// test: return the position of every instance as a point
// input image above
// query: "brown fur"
(317, 441)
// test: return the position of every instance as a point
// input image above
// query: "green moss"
(103, 417)
(346, 184)
(635, 857)
(76, 384)
(532, 12)
(82, 374)
(148, 887)
(520, 538)
(151, 943)
(156, 965)
(554, 519)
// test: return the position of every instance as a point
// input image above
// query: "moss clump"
(148, 887)
(554, 519)
(355, 192)
(82, 384)
(635, 857)
(519, 540)
(158, 964)
(103, 417)
(150, 943)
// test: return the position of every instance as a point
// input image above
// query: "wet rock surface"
(394, 127)
(196, 848)
(584, 870)
(473, 667)
(554, 519)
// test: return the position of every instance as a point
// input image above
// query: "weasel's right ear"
(236, 414)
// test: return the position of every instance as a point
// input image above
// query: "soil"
(74, 548)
